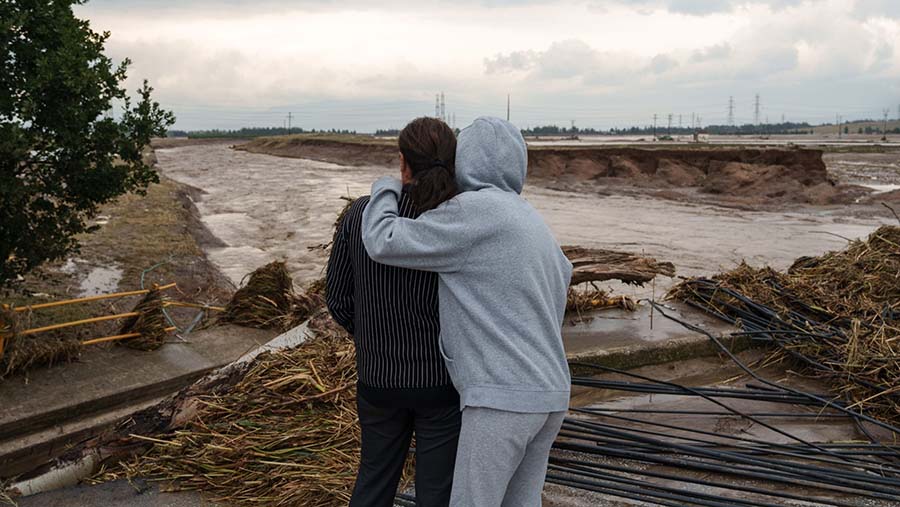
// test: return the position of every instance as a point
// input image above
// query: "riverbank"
(749, 177)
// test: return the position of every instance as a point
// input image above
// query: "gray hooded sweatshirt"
(502, 276)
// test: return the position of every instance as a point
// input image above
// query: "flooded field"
(263, 208)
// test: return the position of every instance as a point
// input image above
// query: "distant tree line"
(769, 128)
(549, 130)
(248, 132)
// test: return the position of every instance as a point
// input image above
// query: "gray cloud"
(813, 54)
(515, 61)
(713, 52)
(703, 7)
(662, 63)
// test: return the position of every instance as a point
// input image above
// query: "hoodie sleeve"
(438, 240)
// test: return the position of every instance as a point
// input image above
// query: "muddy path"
(262, 208)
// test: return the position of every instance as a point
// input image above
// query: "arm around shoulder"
(438, 240)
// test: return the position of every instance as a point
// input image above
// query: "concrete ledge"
(625, 340)
(54, 407)
(636, 356)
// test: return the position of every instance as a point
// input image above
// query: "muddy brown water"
(265, 208)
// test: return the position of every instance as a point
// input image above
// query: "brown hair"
(429, 147)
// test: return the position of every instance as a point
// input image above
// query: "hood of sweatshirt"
(491, 153)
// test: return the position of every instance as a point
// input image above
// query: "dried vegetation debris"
(282, 431)
(837, 314)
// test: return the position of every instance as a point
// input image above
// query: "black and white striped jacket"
(392, 314)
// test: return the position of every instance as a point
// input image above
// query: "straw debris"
(593, 298)
(285, 433)
(24, 352)
(837, 314)
(151, 323)
(263, 300)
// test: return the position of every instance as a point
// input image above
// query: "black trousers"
(386, 435)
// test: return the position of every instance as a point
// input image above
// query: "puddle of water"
(101, 280)
(70, 266)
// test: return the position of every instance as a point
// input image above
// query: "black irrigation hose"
(757, 327)
(758, 445)
(845, 477)
(702, 482)
(726, 407)
(631, 495)
(595, 474)
(609, 486)
(792, 415)
(729, 469)
(741, 365)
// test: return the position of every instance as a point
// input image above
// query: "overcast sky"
(602, 63)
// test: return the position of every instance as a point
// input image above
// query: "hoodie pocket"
(441, 349)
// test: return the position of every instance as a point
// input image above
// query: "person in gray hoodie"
(502, 295)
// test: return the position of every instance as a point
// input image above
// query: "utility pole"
(837, 121)
(693, 121)
(884, 128)
(756, 110)
(654, 126)
(573, 126)
(679, 122)
(290, 117)
(443, 109)
(507, 107)
(437, 105)
(731, 110)
(453, 121)
(669, 130)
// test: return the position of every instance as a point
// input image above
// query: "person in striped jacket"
(392, 313)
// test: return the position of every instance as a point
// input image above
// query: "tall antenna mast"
(731, 111)
(507, 107)
(756, 110)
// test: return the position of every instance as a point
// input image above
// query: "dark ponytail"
(429, 148)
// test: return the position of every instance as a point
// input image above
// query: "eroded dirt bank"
(741, 176)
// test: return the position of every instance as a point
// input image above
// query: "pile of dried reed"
(151, 323)
(581, 301)
(837, 314)
(284, 434)
(23, 352)
(263, 300)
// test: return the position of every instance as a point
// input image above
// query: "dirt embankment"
(740, 175)
(349, 150)
(736, 175)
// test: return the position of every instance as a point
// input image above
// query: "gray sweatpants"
(502, 457)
